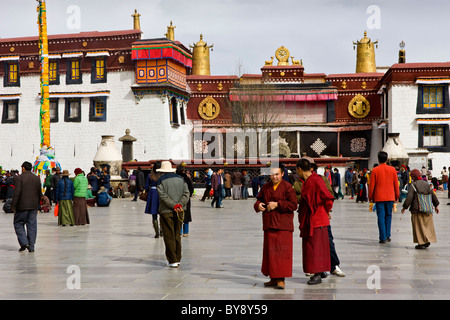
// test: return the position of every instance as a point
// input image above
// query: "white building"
(94, 91)
(415, 98)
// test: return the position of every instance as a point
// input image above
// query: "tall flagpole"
(46, 160)
(45, 95)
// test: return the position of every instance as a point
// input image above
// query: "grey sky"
(248, 32)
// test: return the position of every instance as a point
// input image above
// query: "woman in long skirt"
(80, 185)
(152, 205)
(64, 196)
(422, 223)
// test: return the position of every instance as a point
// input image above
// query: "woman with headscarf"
(80, 185)
(422, 223)
(64, 196)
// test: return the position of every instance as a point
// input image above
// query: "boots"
(156, 227)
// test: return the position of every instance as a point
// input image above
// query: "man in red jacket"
(313, 215)
(277, 202)
(384, 190)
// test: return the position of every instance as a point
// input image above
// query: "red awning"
(166, 51)
(309, 96)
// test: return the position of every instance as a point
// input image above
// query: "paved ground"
(116, 257)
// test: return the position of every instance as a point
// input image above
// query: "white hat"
(166, 166)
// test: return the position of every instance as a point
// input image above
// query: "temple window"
(97, 109)
(12, 74)
(433, 136)
(53, 109)
(53, 74)
(433, 96)
(74, 72)
(73, 110)
(174, 112)
(10, 111)
(98, 73)
(182, 115)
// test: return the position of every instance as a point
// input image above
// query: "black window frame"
(94, 70)
(444, 148)
(67, 117)
(92, 105)
(56, 118)
(57, 80)
(7, 103)
(6, 79)
(69, 79)
(446, 101)
(174, 121)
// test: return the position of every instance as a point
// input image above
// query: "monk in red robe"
(277, 201)
(313, 216)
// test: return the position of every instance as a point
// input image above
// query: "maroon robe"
(313, 217)
(278, 226)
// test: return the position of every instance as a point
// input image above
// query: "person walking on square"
(313, 215)
(64, 198)
(208, 173)
(444, 174)
(181, 171)
(173, 196)
(48, 186)
(54, 182)
(422, 222)
(140, 183)
(383, 191)
(217, 185)
(25, 205)
(227, 185)
(277, 202)
(337, 185)
(80, 211)
(334, 259)
(236, 180)
(152, 205)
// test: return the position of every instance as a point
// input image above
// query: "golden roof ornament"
(282, 54)
(200, 58)
(365, 54)
(136, 20)
(170, 32)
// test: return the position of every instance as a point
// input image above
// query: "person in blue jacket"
(64, 196)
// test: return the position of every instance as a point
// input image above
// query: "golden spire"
(170, 32)
(365, 55)
(136, 20)
(200, 58)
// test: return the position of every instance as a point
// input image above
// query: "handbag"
(56, 210)
(143, 195)
(425, 201)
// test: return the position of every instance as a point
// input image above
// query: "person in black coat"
(25, 204)
(187, 212)
(140, 183)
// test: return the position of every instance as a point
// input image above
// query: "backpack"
(7, 206)
(425, 201)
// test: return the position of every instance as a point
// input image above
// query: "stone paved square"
(119, 258)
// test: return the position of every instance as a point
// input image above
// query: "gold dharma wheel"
(282, 54)
(209, 108)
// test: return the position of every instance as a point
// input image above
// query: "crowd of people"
(167, 192)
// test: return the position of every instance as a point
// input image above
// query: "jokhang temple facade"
(103, 83)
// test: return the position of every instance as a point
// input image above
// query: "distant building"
(96, 88)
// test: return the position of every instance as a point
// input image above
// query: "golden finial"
(200, 58)
(170, 32)
(136, 20)
(365, 54)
